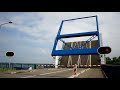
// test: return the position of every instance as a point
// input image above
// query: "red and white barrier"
(82, 65)
(98, 65)
(75, 69)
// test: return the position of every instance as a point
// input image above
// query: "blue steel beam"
(98, 32)
(79, 18)
(83, 44)
(56, 40)
(90, 39)
(66, 44)
(77, 34)
(75, 52)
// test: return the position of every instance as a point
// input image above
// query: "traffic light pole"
(9, 55)
(9, 62)
(102, 56)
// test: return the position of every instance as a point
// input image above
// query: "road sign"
(10, 54)
(104, 50)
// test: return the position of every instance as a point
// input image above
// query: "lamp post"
(6, 23)
(0, 28)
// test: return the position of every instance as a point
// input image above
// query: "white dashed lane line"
(73, 76)
(45, 73)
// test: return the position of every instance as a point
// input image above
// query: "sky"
(32, 34)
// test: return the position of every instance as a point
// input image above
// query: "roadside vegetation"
(113, 61)
(6, 69)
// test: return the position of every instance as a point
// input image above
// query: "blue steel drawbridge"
(79, 50)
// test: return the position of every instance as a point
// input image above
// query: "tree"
(114, 58)
(108, 58)
(114, 61)
(119, 58)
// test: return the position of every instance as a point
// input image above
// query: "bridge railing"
(111, 71)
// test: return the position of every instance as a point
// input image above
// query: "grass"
(6, 69)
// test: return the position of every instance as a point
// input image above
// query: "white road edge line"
(79, 73)
(45, 73)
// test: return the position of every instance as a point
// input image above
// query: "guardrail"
(25, 66)
(111, 71)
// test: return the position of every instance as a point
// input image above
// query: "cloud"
(36, 31)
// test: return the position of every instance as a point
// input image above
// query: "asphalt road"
(56, 73)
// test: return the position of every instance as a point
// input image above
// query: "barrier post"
(75, 69)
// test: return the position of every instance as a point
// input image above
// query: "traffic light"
(9, 53)
(104, 50)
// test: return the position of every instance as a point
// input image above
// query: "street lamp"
(0, 28)
(6, 23)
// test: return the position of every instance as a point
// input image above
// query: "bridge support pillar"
(56, 61)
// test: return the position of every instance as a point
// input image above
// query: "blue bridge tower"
(79, 50)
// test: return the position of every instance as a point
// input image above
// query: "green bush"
(113, 61)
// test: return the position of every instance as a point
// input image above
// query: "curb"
(104, 73)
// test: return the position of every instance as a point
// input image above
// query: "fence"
(21, 66)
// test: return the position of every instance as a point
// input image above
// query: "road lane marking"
(79, 73)
(45, 73)
(13, 72)
(104, 74)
